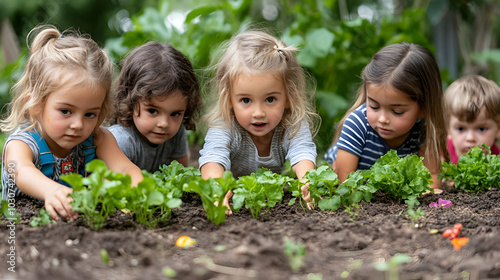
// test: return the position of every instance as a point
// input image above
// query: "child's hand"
(57, 202)
(306, 195)
(225, 202)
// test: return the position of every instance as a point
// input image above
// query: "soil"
(247, 248)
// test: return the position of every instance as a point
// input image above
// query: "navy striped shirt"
(359, 138)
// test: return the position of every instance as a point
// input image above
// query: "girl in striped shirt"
(399, 107)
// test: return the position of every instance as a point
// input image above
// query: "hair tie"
(279, 50)
(62, 36)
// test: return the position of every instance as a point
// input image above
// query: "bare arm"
(182, 160)
(211, 170)
(31, 181)
(108, 151)
(344, 164)
(300, 169)
(433, 166)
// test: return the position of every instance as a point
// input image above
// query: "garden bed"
(247, 248)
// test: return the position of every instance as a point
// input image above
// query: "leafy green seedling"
(263, 188)
(475, 171)
(295, 252)
(99, 194)
(392, 266)
(403, 178)
(414, 214)
(212, 192)
(9, 212)
(105, 257)
(42, 219)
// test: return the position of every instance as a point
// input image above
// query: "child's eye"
(397, 113)
(152, 111)
(176, 114)
(270, 99)
(374, 107)
(65, 112)
(482, 129)
(460, 129)
(90, 115)
(245, 100)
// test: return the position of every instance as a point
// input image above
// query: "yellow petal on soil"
(433, 231)
(459, 242)
(185, 241)
(125, 210)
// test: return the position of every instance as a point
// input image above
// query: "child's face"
(391, 113)
(466, 135)
(259, 102)
(69, 116)
(159, 119)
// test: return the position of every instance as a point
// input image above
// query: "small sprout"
(167, 271)
(105, 257)
(433, 231)
(441, 203)
(295, 252)
(459, 242)
(220, 248)
(185, 241)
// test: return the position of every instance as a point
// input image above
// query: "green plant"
(9, 212)
(212, 192)
(402, 178)
(475, 171)
(392, 266)
(99, 194)
(42, 219)
(295, 252)
(263, 188)
(414, 214)
(105, 257)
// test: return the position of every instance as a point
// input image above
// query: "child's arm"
(434, 168)
(211, 170)
(344, 164)
(300, 169)
(108, 151)
(31, 181)
(182, 160)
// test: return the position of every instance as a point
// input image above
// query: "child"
(398, 107)
(54, 120)
(472, 106)
(263, 113)
(156, 93)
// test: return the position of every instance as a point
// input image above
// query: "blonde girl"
(263, 114)
(54, 120)
(399, 106)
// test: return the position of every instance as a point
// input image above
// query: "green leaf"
(332, 203)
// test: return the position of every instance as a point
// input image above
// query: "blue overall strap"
(88, 151)
(46, 157)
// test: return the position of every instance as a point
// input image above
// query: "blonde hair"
(256, 52)
(465, 97)
(56, 61)
(411, 69)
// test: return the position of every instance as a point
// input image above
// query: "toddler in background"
(263, 114)
(54, 120)
(472, 106)
(157, 95)
(399, 107)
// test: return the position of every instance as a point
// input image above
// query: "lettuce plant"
(212, 192)
(402, 178)
(99, 194)
(475, 171)
(263, 188)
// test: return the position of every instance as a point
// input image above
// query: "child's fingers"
(52, 212)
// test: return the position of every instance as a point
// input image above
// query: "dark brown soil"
(247, 248)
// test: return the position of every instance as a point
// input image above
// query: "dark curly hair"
(154, 70)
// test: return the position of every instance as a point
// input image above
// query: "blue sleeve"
(217, 148)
